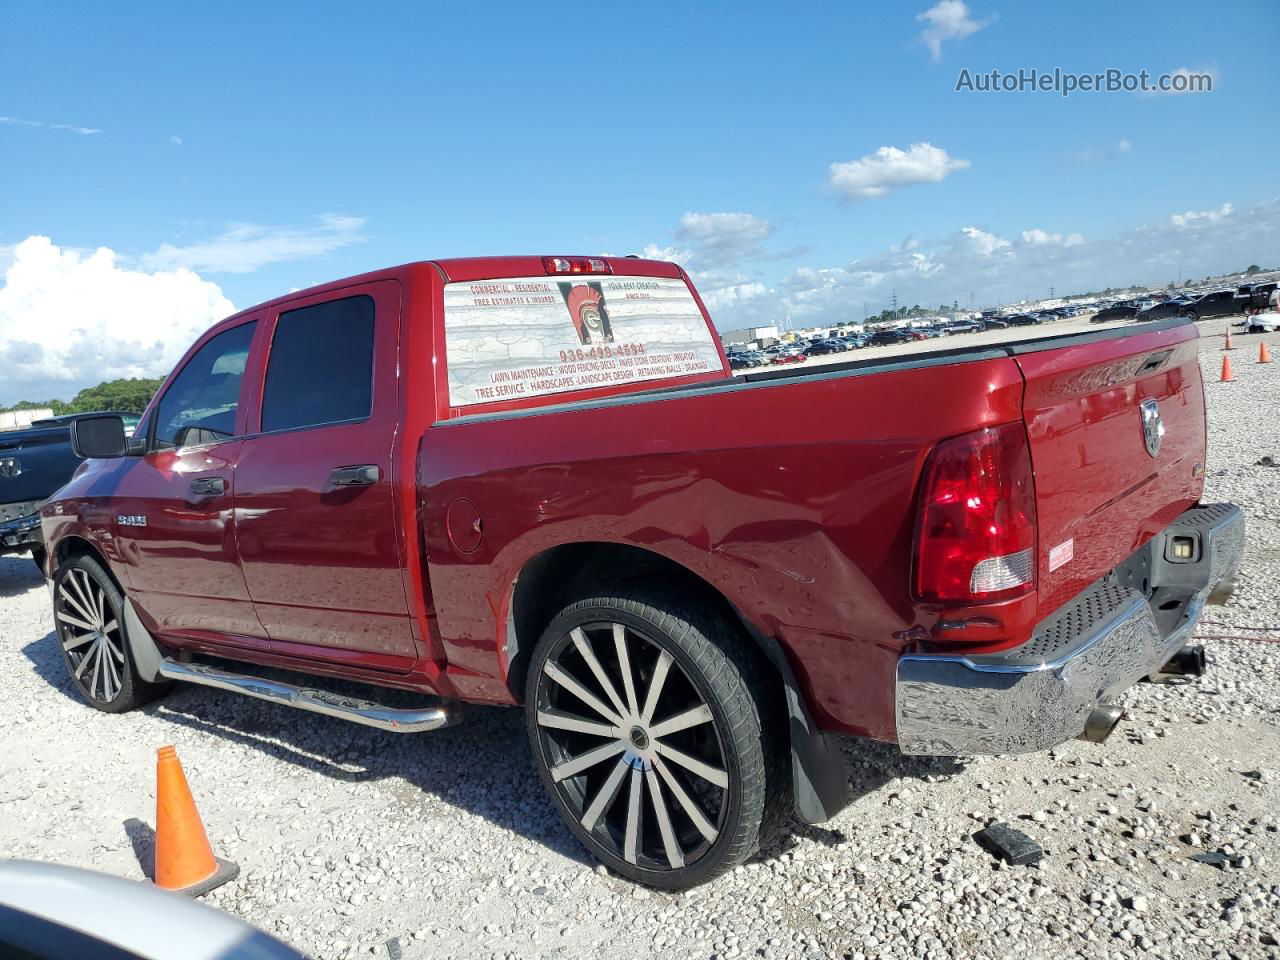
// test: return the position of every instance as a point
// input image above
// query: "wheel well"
(69, 547)
(555, 578)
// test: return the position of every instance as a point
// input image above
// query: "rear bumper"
(1039, 694)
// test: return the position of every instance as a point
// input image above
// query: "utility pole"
(895, 300)
(1050, 291)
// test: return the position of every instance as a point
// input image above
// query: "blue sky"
(267, 147)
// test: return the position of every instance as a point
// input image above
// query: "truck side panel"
(807, 532)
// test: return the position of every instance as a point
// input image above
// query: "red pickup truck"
(535, 481)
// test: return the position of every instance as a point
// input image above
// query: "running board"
(366, 712)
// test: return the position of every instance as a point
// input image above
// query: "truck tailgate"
(1100, 491)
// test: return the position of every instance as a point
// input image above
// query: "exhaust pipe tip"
(1101, 722)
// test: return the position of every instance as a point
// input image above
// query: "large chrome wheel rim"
(90, 635)
(632, 747)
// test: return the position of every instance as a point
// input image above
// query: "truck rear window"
(532, 336)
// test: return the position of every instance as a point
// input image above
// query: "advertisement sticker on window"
(531, 336)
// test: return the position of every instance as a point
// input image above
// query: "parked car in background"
(1160, 311)
(994, 323)
(881, 338)
(747, 359)
(794, 355)
(1117, 312)
(690, 581)
(853, 341)
(823, 347)
(1023, 320)
(1255, 296)
(1219, 303)
(35, 462)
(966, 326)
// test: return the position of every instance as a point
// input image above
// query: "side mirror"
(98, 435)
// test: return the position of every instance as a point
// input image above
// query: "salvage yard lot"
(355, 842)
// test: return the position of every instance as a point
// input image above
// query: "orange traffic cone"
(1226, 370)
(1264, 355)
(1227, 345)
(184, 860)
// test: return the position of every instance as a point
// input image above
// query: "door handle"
(208, 486)
(362, 476)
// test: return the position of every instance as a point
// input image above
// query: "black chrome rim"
(90, 634)
(632, 746)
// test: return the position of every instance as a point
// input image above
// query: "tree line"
(126, 396)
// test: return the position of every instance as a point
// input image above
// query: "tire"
(687, 784)
(89, 624)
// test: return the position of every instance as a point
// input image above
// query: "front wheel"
(88, 612)
(658, 736)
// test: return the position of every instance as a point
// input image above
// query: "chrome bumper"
(1039, 694)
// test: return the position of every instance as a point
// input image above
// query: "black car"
(1162, 311)
(746, 359)
(1255, 296)
(994, 323)
(1024, 319)
(1220, 303)
(34, 462)
(1117, 312)
(884, 337)
(824, 347)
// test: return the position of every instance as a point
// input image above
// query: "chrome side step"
(370, 714)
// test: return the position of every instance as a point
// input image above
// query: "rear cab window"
(320, 368)
(513, 341)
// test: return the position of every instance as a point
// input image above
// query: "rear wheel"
(652, 728)
(88, 612)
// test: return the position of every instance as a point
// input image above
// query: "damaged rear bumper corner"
(1041, 693)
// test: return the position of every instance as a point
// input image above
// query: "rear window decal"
(531, 336)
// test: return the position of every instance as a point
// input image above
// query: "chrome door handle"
(362, 476)
(208, 486)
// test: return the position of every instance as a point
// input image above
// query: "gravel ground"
(355, 843)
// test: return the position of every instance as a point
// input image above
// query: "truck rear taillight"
(976, 538)
(576, 265)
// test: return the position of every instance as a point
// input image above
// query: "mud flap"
(146, 655)
(819, 775)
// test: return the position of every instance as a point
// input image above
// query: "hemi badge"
(1061, 554)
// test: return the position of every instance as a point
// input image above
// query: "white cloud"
(721, 239)
(176, 140)
(876, 174)
(1042, 238)
(244, 247)
(1191, 217)
(46, 125)
(70, 319)
(947, 20)
(1003, 269)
